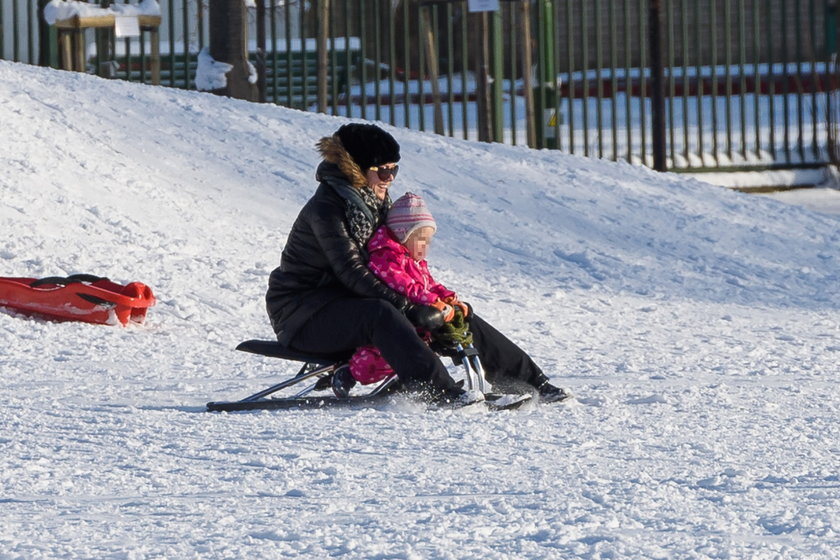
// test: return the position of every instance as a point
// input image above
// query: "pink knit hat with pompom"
(407, 214)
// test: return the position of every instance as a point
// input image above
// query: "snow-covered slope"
(699, 327)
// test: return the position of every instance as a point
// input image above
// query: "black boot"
(549, 393)
(342, 382)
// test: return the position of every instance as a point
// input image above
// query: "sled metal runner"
(319, 368)
(316, 367)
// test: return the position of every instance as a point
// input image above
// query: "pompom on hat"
(408, 214)
(368, 145)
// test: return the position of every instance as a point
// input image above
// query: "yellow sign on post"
(550, 123)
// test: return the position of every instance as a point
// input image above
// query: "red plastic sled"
(79, 297)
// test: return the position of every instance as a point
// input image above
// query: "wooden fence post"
(531, 122)
(432, 65)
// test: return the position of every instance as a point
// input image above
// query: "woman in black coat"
(324, 299)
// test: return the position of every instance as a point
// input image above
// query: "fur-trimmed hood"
(333, 151)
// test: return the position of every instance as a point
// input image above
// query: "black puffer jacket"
(321, 262)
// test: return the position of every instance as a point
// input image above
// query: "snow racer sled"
(78, 297)
(316, 375)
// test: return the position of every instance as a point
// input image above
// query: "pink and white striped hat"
(407, 214)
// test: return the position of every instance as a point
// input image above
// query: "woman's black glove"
(424, 316)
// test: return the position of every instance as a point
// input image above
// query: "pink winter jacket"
(391, 262)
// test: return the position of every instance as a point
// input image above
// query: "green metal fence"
(746, 84)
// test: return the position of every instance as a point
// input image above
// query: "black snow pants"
(348, 323)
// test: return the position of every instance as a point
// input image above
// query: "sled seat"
(273, 349)
(319, 367)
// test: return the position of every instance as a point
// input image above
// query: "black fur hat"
(368, 145)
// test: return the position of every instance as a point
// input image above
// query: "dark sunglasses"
(385, 173)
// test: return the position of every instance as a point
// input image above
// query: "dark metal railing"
(746, 83)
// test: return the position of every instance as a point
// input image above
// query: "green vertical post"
(713, 33)
(657, 86)
(514, 40)
(202, 33)
(334, 86)
(727, 45)
(346, 56)
(450, 69)
(421, 67)
(698, 70)
(554, 127)
(481, 40)
(785, 82)
(815, 116)
(129, 59)
(643, 89)
(32, 20)
(2, 37)
(613, 80)
(686, 84)
(742, 70)
(584, 70)
(185, 37)
(261, 49)
(288, 29)
(828, 56)
(628, 81)
(322, 31)
(599, 78)
(771, 79)
(361, 25)
(15, 32)
(465, 116)
(377, 57)
(830, 28)
(392, 67)
(143, 59)
(498, 77)
(756, 34)
(800, 90)
(47, 40)
(272, 51)
(570, 64)
(545, 94)
(170, 24)
(406, 35)
(671, 87)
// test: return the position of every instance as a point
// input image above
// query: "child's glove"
(447, 310)
(453, 333)
(455, 302)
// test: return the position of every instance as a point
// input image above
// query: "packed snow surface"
(698, 327)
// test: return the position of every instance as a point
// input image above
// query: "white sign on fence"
(126, 26)
(483, 5)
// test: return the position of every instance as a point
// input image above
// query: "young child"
(398, 257)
